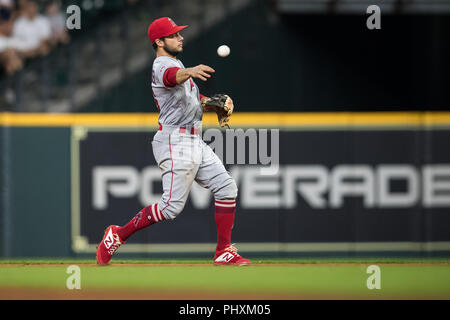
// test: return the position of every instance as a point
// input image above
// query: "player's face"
(173, 44)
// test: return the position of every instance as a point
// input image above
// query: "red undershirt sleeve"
(170, 77)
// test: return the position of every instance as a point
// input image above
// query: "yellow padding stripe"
(282, 120)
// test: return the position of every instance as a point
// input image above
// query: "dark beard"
(171, 52)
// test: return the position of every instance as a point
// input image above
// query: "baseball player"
(179, 150)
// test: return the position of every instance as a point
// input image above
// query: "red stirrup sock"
(146, 217)
(224, 215)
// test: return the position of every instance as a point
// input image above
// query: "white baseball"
(223, 51)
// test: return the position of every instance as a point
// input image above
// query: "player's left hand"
(222, 104)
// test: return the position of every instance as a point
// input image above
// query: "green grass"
(400, 278)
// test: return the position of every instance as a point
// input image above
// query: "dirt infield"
(91, 294)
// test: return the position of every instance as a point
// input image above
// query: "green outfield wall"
(47, 188)
(35, 191)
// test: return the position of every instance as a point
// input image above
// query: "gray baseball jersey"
(180, 104)
(181, 154)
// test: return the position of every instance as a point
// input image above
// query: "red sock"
(224, 215)
(146, 217)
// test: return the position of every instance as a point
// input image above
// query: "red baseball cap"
(163, 27)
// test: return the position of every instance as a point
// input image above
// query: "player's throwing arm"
(201, 72)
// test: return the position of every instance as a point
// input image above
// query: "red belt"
(183, 130)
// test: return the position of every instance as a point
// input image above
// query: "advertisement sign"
(331, 190)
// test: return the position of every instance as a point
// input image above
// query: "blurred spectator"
(11, 61)
(24, 33)
(20, 7)
(9, 57)
(57, 21)
(6, 8)
(32, 31)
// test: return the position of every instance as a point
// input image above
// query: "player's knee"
(172, 209)
(229, 191)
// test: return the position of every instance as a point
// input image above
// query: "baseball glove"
(222, 105)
